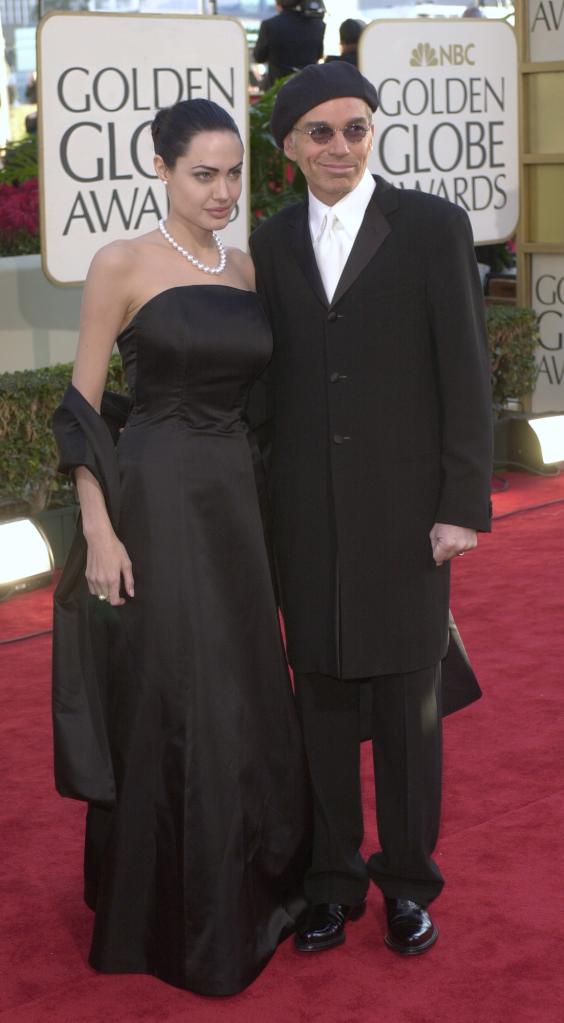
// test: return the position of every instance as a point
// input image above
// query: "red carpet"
(499, 957)
(25, 613)
(517, 491)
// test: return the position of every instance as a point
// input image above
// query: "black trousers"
(407, 750)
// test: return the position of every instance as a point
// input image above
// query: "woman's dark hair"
(173, 128)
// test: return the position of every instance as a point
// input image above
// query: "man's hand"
(448, 541)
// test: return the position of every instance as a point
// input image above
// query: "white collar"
(350, 209)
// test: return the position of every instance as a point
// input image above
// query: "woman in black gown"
(194, 850)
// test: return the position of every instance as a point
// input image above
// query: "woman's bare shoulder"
(243, 265)
(120, 255)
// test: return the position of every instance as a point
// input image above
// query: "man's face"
(334, 168)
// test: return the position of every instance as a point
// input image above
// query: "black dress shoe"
(323, 926)
(410, 928)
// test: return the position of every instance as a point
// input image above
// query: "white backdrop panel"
(447, 121)
(548, 302)
(546, 30)
(102, 78)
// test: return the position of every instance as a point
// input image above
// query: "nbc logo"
(425, 55)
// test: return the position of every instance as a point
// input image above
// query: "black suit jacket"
(381, 405)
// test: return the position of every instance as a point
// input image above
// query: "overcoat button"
(334, 378)
(338, 439)
(332, 317)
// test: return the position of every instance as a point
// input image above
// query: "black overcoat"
(381, 405)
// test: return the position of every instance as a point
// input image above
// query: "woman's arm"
(104, 309)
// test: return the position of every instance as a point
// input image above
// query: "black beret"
(316, 84)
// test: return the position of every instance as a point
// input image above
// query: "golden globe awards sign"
(447, 120)
(546, 30)
(548, 302)
(102, 77)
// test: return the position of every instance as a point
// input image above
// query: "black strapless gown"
(196, 874)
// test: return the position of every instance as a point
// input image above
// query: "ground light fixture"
(531, 442)
(550, 433)
(26, 559)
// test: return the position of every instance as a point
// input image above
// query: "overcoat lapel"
(300, 240)
(373, 231)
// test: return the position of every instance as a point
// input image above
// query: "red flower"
(19, 208)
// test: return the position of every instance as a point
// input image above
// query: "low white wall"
(38, 320)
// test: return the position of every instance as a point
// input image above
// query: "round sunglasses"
(323, 133)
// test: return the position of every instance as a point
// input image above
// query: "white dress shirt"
(331, 255)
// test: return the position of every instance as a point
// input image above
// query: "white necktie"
(331, 253)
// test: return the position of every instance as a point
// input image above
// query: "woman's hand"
(107, 563)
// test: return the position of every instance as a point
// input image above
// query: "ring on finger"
(102, 596)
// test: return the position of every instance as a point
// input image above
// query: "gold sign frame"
(541, 146)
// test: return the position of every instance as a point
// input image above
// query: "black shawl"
(82, 625)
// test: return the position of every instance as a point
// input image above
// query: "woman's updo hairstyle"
(173, 128)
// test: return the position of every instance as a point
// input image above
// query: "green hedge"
(28, 458)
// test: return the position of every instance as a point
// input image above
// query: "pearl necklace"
(192, 259)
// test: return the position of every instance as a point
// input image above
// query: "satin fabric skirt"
(196, 873)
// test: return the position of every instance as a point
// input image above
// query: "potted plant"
(513, 334)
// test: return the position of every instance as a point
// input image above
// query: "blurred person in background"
(350, 32)
(292, 39)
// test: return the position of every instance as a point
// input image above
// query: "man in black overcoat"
(380, 476)
(289, 40)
